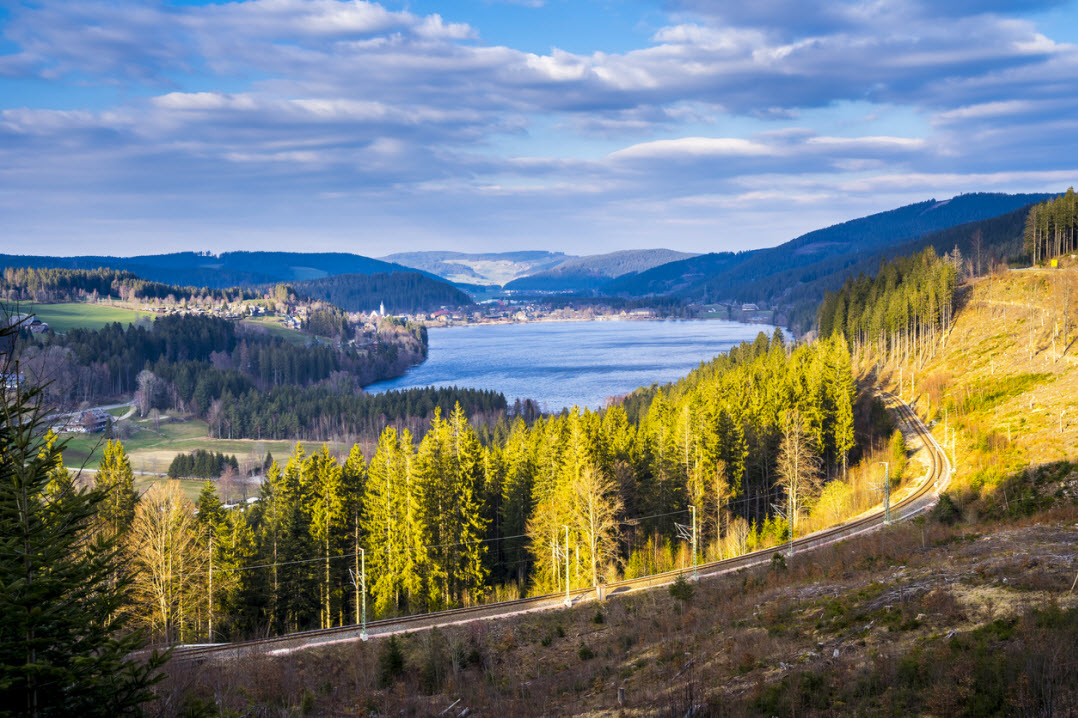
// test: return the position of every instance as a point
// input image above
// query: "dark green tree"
(64, 646)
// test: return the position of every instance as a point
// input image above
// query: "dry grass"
(761, 640)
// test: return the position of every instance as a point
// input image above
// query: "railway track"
(920, 497)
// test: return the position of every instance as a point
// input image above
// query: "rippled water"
(565, 363)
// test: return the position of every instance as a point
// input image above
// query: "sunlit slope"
(1005, 377)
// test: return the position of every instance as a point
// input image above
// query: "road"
(919, 497)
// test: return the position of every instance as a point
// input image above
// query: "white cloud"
(288, 102)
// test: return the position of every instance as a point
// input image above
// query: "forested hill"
(479, 268)
(76, 285)
(402, 292)
(980, 245)
(593, 271)
(218, 271)
(669, 279)
(769, 275)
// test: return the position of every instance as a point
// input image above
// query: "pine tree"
(64, 644)
(116, 480)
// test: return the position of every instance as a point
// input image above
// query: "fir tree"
(116, 481)
(64, 644)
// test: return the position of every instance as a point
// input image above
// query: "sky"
(582, 126)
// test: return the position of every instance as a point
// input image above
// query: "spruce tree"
(116, 481)
(64, 645)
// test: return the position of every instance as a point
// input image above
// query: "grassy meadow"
(77, 315)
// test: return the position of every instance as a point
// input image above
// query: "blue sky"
(483, 125)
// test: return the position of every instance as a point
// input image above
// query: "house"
(91, 421)
(37, 326)
(749, 308)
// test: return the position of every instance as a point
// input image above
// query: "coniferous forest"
(243, 381)
(469, 514)
(902, 311)
(1052, 228)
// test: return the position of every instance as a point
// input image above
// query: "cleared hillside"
(1007, 378)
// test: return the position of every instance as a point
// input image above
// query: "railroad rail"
(919, 498)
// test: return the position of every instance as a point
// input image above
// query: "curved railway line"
(920, 497)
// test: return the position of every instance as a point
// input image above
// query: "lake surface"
(560, 364)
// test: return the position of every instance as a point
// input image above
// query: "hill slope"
(495, 268)
(401, 292)
(228, 269)
(593, 271)
(769, 275)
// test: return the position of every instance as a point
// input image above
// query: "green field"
(153, 448)
(276, 328)
(76, 315)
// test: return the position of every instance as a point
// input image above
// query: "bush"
(946, 511)
(390, 662)
(584, 652)
(681, 589)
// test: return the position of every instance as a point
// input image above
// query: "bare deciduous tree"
(798, 466)
(595, 506)
(168, 560)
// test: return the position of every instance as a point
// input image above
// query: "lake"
(560, 364)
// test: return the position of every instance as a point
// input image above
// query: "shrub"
(681, 589)
(946, 511)
(584, 652)
(390, 662)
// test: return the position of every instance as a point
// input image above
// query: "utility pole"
(363, 584)
(695, 574)
(886, 493)
(568, 601)
(211, 588)
(359, 580)
(785, 514)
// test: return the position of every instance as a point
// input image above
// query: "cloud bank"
(342, 124)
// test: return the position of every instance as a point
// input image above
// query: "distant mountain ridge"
(489, 268)
(779, 275)
(229, 269)
(593, 271)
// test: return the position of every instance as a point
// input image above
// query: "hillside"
(970, 612)
(772, 275)
(229, 269)
(802, 290)
(593, 271)
(491, 268)
(401, 292)
(674, 277)
(1008, 372)
(906, 622)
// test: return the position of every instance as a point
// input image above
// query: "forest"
(202, 464)
(902, 311)
(245, 382)
(31, 284)
(469, 513)
(401, 292)
(1050, 228)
